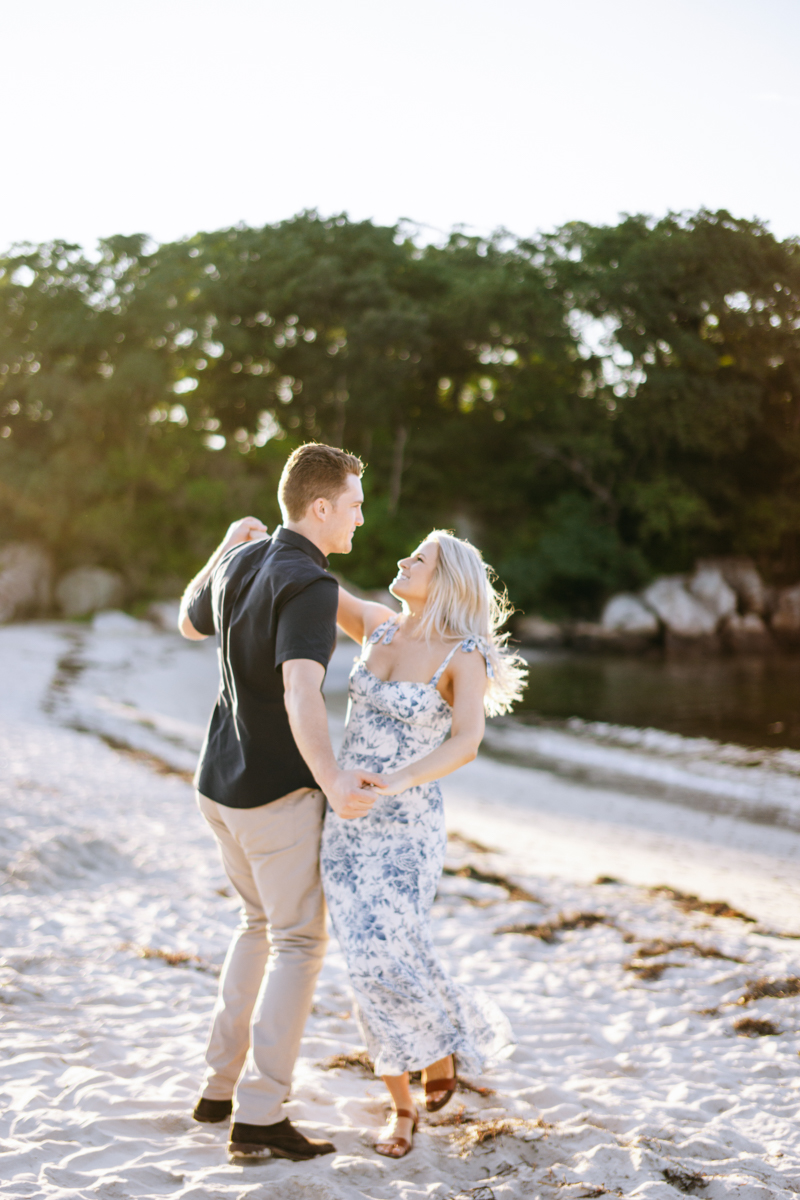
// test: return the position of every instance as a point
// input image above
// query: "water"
(749, 701)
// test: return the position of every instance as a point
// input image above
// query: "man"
(265, 769)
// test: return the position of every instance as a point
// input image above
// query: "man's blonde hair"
(313, 472)
(463, 602)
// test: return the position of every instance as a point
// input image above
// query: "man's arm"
(348, 792)
(249, 529)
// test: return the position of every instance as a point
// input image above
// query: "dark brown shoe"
(212, 1110)
(280, 1141)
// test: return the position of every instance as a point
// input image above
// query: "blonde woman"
(434, 669)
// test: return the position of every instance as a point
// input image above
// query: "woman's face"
(413, 579)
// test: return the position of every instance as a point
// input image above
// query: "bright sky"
(169, 116)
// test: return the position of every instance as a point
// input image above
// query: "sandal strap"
(405, 1112)
(441, 1085)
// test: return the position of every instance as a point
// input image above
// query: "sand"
(630, 1076)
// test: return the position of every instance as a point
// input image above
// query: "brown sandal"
(403, 1143)
(440, 1085)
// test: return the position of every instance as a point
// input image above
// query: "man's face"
(344, 517)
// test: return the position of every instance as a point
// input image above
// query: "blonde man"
(265, 769)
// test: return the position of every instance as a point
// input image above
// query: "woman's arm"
(469, 723)
(358, 618)
(249, 529)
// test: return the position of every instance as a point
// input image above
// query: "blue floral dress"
(380, 873)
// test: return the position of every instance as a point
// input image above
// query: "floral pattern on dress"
(380, 873)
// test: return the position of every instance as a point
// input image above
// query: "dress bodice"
(393, 723)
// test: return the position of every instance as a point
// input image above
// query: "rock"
(683, 614)
(679, 646)
(709, 586)
(586, 635)
(26, 578)
(786, 617)
(741, 575)
(747, 634)
(119, 624)
(164, 614)
(535, 631)
(88, 589)
(627, 614)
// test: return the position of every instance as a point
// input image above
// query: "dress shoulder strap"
(385, 632)
(469, 644)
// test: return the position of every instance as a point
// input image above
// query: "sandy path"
(619, 1084)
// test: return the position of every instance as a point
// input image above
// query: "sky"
(171, 116)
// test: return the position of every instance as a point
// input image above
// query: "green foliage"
(150, 396)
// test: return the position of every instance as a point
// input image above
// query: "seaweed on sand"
(684, 1181)
(752, 1027)
(173, 958)
(358, 1061)
(688, 902)
(548, 931)
(470, 1131)
(779, 989)
(515, 892)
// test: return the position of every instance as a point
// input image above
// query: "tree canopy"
(591, 407)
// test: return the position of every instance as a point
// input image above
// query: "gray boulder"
(535, 631)
(627, 614)
(747, 634)
(26, 580)
(586, 635)
(89, 589)
(164, 614)
(740, 573)
(709, 586)
(786, 617)
(684, 614)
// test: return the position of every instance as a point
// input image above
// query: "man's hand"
(349, 793)
(248, 529)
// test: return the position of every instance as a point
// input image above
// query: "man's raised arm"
(347, 791)
(248, 529)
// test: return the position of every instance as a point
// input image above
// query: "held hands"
(350, 793)
(248, 529)
(393, 783)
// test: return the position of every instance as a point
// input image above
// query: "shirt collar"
(297, 540)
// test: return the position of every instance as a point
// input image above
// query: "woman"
(430, 671)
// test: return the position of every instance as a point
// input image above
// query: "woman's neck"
(411, 623)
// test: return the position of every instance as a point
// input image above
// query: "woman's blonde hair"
(463, 602)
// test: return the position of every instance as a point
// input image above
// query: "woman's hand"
(394, 783)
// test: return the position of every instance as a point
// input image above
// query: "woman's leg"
(443, 1068)
(403, 1127)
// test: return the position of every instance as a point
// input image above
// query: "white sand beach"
(657, 1033)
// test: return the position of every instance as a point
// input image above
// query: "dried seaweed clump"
(469, 1132)
(173, 958)
(359, 1061)
(660, 947)
(751, 1027)
(649, 971)
(688, 902)
(684, 1181)
(515, 892)
(548, 931)
(779, 989)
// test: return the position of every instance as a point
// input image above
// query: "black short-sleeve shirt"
(267, 602)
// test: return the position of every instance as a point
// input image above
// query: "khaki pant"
(271, 856)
